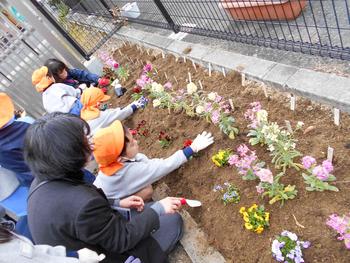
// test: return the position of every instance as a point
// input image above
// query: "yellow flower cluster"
(255, 218)
(221, 158)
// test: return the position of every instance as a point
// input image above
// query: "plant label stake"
(120, 52)
(175, 79)
(191, 203)
(223, 72)
(265, 91)
(200, 84)
(166, 76)
(336, 116)
(184, 59)
(163, 55)
(292, 102)
(209, 68)
(231, 104)
(330, 152)
(289, 127)
(156, 71)
(176, 59)
(189, 77)
(243, 79)
(194, 66)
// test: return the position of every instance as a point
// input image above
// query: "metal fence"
(319, 27)
(86, 24)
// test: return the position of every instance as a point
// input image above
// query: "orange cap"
(108, 145)
(6, 109)
(89, 99)
(40, 79)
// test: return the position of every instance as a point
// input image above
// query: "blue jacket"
(79, 76)
(11, 151)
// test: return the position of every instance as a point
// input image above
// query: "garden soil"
(306, 215)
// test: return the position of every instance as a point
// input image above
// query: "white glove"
(88, 256)
(115, 82)
(202, 141)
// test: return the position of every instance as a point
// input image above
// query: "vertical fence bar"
(166, 16)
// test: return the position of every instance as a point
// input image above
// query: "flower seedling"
(246, 162)
(221, 158)
(318, 176)
(230, 193)
(341, 224)
(164, 139)
(288, 248)
(255, 218)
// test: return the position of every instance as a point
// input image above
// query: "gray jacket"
(108, 116)
(137, 174)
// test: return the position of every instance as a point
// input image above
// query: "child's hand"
(132, 202)
(171, 204)
(202, 141)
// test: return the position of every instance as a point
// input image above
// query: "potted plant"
(264, 9)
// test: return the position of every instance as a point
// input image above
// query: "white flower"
(199, 109)
(156, 103)
(156, 87)
(271, 148)
(261, 116)
(212, 96)
(191, 88)
(299, 124)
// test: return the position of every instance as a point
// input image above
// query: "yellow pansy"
(241, 210)
(248, 226)
(259, 230)
(258, 217)
(215, 161)
(267, 216)
(245, 217)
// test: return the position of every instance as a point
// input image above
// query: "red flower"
(133, 132)
(104, 90)
(115, 65)
(136, 89)
(103, 82)
(187, 143)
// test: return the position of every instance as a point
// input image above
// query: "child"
(73, 77)
(124, 171)
(56, 96)
(12, 133)
(100, 119)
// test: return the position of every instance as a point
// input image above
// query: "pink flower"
(242, 150)
(265, 175)
(147, 68)
(327, 165)
(320, 172)
(116, 65)
(259, 189)
(308, 161)
(208, 107)
(168, 85)
(215, 116)
(218, 98)
(233, 160)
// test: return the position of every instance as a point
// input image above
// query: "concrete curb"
(321, 87)
(194, 241)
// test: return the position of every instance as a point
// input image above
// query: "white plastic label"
(166, 76)
(330, 153)
(292, 102)
(189, 77)
(194, 66)
(243, 79)
(200, 84)
(209, 68)
(231, 104)
(289, 127)
(336, 116)
(265, 91)
(223, 72)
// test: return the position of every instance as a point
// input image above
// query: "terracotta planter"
(264, 9)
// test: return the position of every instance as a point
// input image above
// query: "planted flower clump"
(265, 162)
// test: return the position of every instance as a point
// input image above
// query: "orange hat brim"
(40, 79)
(108, 145)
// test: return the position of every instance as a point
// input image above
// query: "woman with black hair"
(73, 77)
(63, 210)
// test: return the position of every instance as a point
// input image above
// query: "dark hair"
(56, 146)
(126, 140)
(55, 67)
(5, 235)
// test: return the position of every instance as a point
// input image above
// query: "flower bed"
(305, 215)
